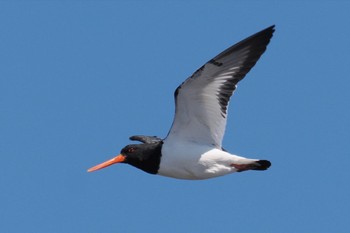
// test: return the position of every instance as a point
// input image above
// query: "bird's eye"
(131, 150)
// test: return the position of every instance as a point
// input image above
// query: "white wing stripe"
(202, 100)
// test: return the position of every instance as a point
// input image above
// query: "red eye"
(131, 150)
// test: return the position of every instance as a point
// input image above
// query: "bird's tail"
(261, 165)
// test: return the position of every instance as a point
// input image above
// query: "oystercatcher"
(192, 149)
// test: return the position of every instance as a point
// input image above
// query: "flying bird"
(193, 147)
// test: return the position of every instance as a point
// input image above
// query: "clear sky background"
(77, 78)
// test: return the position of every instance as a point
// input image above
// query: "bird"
(192, 149)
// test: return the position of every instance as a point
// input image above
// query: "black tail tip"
(262, 165)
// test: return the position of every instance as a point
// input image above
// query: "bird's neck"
(150, 158)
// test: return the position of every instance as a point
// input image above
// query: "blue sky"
(77, 78)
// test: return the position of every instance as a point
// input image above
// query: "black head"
(143, 156)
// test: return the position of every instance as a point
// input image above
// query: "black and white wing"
(145, 139)
(201, 101)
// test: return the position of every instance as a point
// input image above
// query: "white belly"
(195, 162)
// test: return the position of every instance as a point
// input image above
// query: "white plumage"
(193, 147)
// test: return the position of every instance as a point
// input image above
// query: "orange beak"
(118, 159)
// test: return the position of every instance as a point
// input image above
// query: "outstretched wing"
(201, 101)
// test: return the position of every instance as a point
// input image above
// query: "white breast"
(184, 160)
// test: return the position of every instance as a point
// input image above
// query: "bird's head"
(143, 156)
